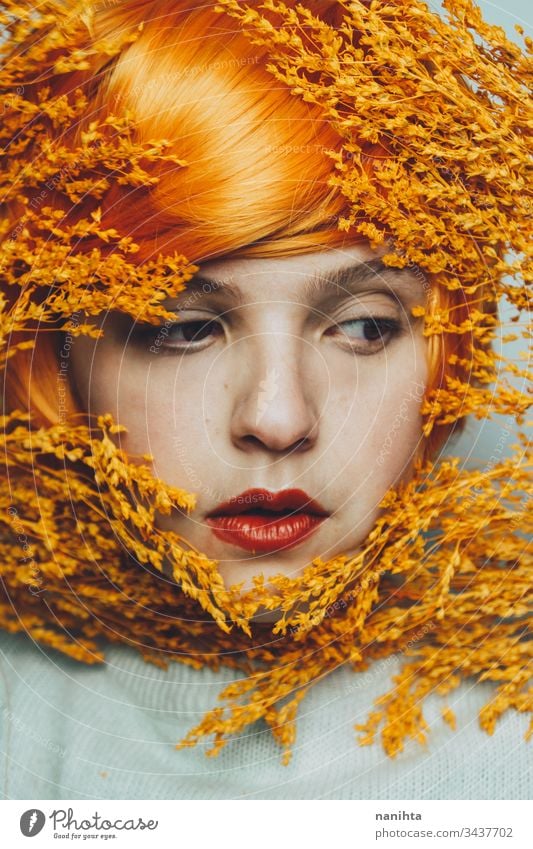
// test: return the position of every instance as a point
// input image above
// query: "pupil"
(195, 330)
(372, 331)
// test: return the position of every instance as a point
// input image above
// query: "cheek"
(105, 383)
(379, 426)
(169, 412)
(109, 378)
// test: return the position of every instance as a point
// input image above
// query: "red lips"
(260, 520)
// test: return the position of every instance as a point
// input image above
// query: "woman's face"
(297, 373)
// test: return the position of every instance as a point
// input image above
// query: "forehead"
(304, 264)
(307, 278)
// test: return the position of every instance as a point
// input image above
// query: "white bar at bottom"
(268, 824)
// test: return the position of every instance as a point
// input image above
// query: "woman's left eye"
(367, 335)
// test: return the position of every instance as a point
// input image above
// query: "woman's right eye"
(193, 331)
(181, 336)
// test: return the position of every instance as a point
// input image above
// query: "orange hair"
(256, 179)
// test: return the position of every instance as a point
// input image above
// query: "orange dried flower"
(450, 198)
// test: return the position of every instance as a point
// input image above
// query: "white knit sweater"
(71, 731)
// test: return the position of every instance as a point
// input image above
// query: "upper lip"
(264, 499)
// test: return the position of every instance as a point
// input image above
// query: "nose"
(275, 404)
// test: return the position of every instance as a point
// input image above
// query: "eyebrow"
(348, 279)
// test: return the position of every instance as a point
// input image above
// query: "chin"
(236, 573)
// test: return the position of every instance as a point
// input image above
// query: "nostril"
(252, 440)
(302, 444)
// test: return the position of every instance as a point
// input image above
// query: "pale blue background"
(484, 439)
(505, 15)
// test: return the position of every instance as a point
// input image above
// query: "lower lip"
(263, 532)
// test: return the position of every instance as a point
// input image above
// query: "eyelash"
(381, 325)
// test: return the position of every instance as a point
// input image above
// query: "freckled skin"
(273, 399)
